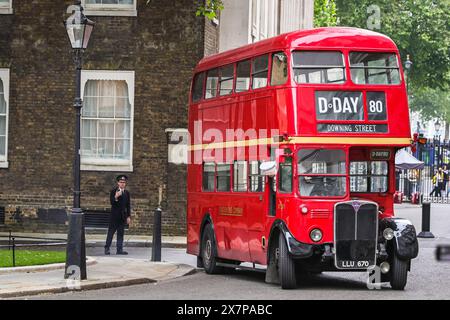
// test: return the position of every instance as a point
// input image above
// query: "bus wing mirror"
(268, 168)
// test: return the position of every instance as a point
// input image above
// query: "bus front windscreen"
(322, 173)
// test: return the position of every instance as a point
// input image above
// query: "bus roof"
(319, 38)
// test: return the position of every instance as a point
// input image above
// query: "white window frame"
(110, 9)
(6, 8)
(95, 164)
(4, 76)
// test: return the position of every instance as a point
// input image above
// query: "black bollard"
(425, 221)
(156, 246)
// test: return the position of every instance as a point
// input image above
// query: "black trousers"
(114, 226)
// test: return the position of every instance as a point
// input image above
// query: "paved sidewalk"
(105, 272)
(98, 240)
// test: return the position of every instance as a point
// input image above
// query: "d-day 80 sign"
(348, 105)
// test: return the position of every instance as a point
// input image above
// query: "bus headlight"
(385, 267)
(388, 234)
(316, 235)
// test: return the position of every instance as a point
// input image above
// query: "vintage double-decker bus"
(291, 158)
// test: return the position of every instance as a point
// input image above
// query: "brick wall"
(162, 45)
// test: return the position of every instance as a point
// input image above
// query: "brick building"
(135, 82)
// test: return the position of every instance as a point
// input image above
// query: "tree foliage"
(420, 28)
(325, 13)
(209, 8)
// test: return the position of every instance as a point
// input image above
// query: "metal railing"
(13, 245)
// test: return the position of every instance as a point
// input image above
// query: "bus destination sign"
(348, 105)
(380, 154)
(352, 128)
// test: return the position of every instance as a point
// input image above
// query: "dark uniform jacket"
(120, 209)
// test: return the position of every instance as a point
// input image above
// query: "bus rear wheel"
(399, 273)
(209, 251)
(286, 266)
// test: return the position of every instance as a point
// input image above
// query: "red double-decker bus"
(291, 157)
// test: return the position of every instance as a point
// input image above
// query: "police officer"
(120, 214)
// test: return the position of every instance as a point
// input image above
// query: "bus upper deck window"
(374, 68)
(226, 80)
(243, 76)
(197, 87)
(212, 80)
(279, 69)
(260, 70)
(318, 67)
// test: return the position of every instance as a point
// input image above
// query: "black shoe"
(107, 252)
(122, 252)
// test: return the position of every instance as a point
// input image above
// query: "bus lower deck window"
(368, 176)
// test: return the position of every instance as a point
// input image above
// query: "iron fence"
(435, 154)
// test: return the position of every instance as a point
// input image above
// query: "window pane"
(240, 176)
(223, 177)
(197, 87)
(371, 59)
(358, 184)
(279, 69)
(89, 128)
(379, 168)
(89, 147)
(378, 184)
(211, 83)
(208, 176)
(226, 80)
(260, 72)
(3, 146)
(105, 148)
(319, 186)
(318, 58)
(122, 149)
(2, 98)
(243, 76)
(256, 180)
(358, 168)
(310, 75)
(374, 68)
(106, 129)
(123, 129)
(122, 103)
(286, 175)
(317, 161)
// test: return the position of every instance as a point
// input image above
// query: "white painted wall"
(248, 21)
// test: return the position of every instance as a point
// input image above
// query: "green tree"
(420, 28)
(325, 13)
(209, 8)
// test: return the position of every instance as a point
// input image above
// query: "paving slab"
(107, 272)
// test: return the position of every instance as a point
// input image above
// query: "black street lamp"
(79, 29)
(408, 67)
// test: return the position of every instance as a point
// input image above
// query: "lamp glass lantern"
(437, 127)
(79, 29)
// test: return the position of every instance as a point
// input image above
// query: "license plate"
(349, 264)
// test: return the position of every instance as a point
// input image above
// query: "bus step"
(240, 267)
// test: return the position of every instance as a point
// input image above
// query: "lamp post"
(79, 29)
(408, 67)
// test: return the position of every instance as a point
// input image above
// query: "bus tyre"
(399, 273)
(286, 266)
(209, 251)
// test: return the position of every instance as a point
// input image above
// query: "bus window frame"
(375, 85)
(219, 95)
(297, 176)
(268, 70)
(345, 67)
(369, 176)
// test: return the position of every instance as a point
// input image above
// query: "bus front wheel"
(399, 273)
(209, 251)
(286, 266)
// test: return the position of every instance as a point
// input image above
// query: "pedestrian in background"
(446, 177)
(438, 183)
(120, 214)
